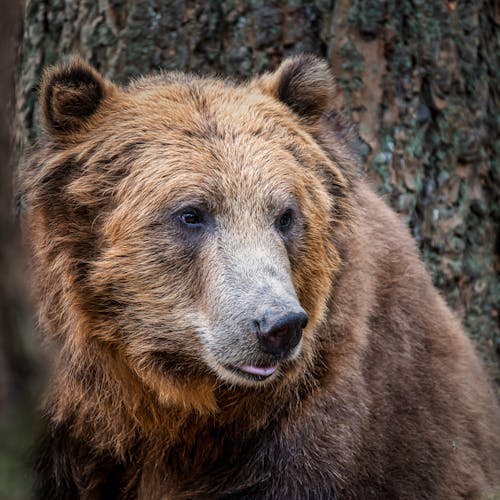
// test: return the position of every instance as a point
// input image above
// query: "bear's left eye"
(285, 220)
(191, 217)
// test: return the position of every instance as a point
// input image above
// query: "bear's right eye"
(191, 217)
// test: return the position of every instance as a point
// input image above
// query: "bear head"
(187, 225)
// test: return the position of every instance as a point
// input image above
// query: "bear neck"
(114, 411)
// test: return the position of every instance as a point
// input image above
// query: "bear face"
(189, 237)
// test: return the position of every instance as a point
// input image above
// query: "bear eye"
(191, 217)
(285, 220)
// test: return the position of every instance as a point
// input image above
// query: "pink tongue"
(257, 370)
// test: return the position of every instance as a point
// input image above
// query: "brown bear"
(235, 313)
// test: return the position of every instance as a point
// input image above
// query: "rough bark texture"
(420, 79)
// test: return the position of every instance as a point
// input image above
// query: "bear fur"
(166, 220)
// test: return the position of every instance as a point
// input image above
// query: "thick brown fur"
(383, 398)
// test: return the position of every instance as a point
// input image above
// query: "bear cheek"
(146, 286)
(312, 282)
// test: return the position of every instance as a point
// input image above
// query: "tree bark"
(17, 367)
(419, 78)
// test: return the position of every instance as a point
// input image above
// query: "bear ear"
(304, 83)
(70, 94)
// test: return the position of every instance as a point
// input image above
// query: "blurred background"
(419, 78)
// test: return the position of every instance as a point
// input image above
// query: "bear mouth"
(256, 373)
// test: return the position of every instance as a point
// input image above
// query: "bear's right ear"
(70, 94)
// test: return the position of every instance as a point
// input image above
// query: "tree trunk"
(419, 78)
(17, 367)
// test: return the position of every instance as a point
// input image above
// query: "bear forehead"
(210, 138)
(203, 110)
(214, 173)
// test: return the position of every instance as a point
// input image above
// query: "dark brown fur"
(385, 399)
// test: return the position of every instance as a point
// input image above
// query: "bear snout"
(279, 332)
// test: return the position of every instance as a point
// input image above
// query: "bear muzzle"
(257, 324)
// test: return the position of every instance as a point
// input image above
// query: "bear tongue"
(258, 370)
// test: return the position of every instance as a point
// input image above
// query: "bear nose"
(278, 334)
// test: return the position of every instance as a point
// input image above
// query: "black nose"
(278, 334)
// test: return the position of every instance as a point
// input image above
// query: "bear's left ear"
(304, 83)
(70, 95)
